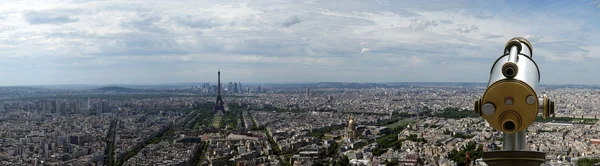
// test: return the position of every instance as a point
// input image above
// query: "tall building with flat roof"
(307, 93)
(235, 87)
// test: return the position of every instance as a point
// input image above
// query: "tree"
(587, 161)
(343, 162)
(475, 151)
(394, 162)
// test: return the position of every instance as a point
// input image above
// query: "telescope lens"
(510, 71)
(509, 125)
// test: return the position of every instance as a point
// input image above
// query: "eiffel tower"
(219, 109)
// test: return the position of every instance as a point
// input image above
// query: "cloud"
(422, 24)
(291, 21)
(445, 22)
(533, 38)
(192, 22)
(467, 29)
(365, 50)
(48, 17)
(483, 14)
(490, 36)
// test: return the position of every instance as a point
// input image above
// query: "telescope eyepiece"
(510, 69)
(509, 125)
(516, 41)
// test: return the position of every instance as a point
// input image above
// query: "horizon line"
(271, 83)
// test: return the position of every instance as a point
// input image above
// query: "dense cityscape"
(278, 124)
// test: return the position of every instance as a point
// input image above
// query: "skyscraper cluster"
(234, 87)
(206, 85)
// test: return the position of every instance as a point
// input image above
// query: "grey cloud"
(283, 47)
(491, 36)
(291, 21)
(137, 44)
(430, 5)
(467, 29)
(533, 38)
(446, 22)
(196, 22)
(481, 14)
(48, 17)
(444, 51)
(368, 6)
(566, 48)
(146, 23)
(422, 24)
(72, 35)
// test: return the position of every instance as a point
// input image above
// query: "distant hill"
(116, 89)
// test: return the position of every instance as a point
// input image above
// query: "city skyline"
(153, 42)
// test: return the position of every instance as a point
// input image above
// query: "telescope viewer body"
(511, 103)
(512, 100)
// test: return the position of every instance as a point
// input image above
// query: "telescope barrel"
(512, 56)
(524, 67)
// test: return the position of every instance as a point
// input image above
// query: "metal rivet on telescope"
(531, 99)
(488, 109)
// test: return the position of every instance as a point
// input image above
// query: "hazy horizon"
(253, 84)
(156, 42)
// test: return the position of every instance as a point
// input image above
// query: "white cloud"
(365, 50)
(422, 24)
(533, 38)
(467, 29)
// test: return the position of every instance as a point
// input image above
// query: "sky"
(280, 41)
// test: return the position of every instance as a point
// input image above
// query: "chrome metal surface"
(488, 109)
(514, 141)
(513, 54)
(525, 50)
(528, 72)
(520, 140)
(508, 141)
(530, 99)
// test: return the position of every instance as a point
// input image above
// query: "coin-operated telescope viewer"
(512, 102)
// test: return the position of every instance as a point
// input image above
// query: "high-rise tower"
(307, 93)
(235, 87)
(219, 108)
